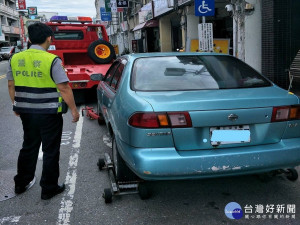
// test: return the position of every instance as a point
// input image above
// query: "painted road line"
(10, 219)
(66, 203)
(2, 76)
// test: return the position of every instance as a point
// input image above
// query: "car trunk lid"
(243, 113)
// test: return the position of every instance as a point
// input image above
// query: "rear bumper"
(169, 164)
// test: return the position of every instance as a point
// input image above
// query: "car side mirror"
(97, 77)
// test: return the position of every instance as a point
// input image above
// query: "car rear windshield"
(194, 73)
(69, 35)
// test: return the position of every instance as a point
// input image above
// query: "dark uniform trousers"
(45, 129)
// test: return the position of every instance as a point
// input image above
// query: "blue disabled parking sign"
(204, 7)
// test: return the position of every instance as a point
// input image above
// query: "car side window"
(111, 72)
(116, 78)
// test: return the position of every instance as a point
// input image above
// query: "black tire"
(107, 195)
(122, 172)
(143, 191)
(101, 163)
(292, 174)
(106, 56)
(101, 120)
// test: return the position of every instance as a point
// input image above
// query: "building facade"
(280, 38)
(10, 30)
(263, 33)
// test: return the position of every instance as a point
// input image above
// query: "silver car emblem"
(233, 117)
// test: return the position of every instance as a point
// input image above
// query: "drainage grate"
(7, 184)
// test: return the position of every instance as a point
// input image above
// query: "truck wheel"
(101, 52)
(122, 172)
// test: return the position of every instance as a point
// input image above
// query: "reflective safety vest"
(35, 90)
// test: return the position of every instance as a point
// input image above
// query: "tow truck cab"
(83, 47)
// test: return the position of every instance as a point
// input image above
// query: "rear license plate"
(229, 135)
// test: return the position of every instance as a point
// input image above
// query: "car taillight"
(285, 113)
(180, 119)
(160, 120)
(295, 112)
(146, 120)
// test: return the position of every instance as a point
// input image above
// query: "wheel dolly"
(290, 173)
(120, 187)
(117, 187)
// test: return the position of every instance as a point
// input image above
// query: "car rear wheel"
(143, 191)
(101, 52)
(101, 120)
(122, 172)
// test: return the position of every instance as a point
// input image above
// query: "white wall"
(192, 28)
(192, 22)
(165, 33)
(253, 36)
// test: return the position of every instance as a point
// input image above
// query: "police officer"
(37, 85)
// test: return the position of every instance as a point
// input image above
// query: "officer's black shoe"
(60, 189)
(21, 189)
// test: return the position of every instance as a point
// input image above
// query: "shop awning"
(149, 23)
(138, 27)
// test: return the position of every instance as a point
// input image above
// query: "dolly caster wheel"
(101, 163)
(107, 195)
(292, 174)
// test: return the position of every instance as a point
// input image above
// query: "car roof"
(161, 54)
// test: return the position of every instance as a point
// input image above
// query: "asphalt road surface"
(172, 202)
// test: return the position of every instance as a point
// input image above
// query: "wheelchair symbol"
(204, 8)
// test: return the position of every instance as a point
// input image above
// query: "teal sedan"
(196, 115)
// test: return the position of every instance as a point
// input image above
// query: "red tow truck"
(84, 49)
